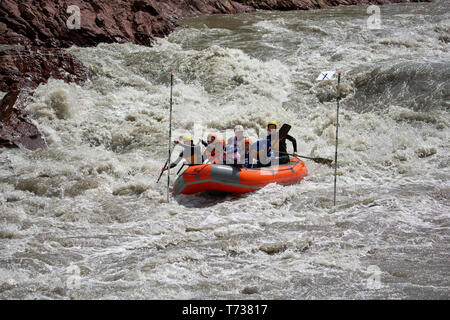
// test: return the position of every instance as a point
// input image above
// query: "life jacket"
(219, 145)
(238, 154)
(261, 150)
(239, 144)
(276, 143)
(231, 155)
(192, 154)
(247, 160)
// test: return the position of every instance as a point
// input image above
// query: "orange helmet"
(212, 137)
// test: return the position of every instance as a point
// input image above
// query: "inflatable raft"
(227, 178)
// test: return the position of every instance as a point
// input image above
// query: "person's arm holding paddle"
(174, 164)
(294, 145)
(283, 132)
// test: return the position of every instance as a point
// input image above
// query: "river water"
(85, 218)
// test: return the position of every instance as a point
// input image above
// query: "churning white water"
(86, 219)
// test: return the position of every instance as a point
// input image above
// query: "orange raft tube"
(227, 178)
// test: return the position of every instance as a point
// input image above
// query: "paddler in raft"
(273, 150)
(236, 153)
(215, 148)
(191, 153)
(277, 141)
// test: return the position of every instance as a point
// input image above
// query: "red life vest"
(219, 145)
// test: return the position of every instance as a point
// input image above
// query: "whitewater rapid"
(85, 218)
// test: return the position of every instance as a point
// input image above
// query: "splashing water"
(86, 219)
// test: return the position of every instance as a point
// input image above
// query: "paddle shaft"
(165, 166)
(319, 160)
(182, 166)
(162, 170)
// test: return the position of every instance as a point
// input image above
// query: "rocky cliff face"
(41, 28)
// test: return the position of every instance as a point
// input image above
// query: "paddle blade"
(319, 160)
(284, 130)
(323, 161)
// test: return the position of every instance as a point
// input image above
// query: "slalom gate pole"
(170, 136)
(337, 132)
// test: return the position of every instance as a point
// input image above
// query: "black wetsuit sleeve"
(205, 144)
(204, 156)
(294, 142)
(174, 164)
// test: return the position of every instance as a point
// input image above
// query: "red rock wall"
(45, 23)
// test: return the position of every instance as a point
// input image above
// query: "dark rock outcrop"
(28, 67)
(21, 71)
(62, 23)
(16, 129)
